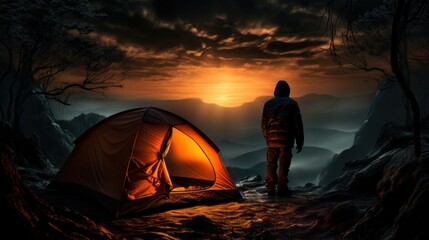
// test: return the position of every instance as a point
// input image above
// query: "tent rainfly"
(143, 159)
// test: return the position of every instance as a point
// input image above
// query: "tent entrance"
(187, 164)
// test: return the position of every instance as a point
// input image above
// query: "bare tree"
(375, 36)
(40, 41)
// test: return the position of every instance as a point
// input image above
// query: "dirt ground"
(305, 215)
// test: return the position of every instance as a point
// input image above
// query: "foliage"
(390, 30)
(44, 42)
(361, 33)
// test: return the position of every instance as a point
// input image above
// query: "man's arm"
(264, 123)
(299, 130)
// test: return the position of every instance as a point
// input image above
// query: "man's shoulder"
(292, 101)
(294, 104)
(282, 100)
(270, 100)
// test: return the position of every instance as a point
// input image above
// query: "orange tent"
(146, 158)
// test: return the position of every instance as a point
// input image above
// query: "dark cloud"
(155, 63)
(213, 31)
(278, 46)
(131, 27)
(151, 73)
(299, 24)
(351, 10)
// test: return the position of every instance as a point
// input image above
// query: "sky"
(226, 52)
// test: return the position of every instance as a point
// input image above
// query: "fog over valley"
(330, 124)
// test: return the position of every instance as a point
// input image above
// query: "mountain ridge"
(63, 113)
(242, 124)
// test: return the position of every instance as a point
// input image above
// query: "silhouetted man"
(281, 126)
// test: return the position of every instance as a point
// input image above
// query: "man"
(281, 126)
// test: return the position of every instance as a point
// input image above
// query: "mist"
(330, 124)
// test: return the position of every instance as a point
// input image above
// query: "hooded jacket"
(281, 119)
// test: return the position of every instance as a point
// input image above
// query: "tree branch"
(372, 69)
(418, 11)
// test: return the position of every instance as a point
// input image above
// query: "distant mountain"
(325, 111)
(231, 149)
(334, 140)
(305, 167)
(81, 123)
(329, 125)
(317, 157)
(238, 124)
(247, 160)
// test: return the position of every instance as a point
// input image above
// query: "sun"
(223, 90)
(231, 87)
(224, 86)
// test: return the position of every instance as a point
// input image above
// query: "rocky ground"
(381, 196)
(301, 216)
(306, 214)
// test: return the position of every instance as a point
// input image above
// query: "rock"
(363, 175)
(38, 123)
(339, 218)
(387, 107)
(81, 123)
(413, 217)
(250, 182)
(201, 223)
(35, 170)
(399, 179)
(402, 211)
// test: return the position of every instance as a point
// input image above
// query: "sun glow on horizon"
(228, 86)
(224, 89)
(224, 86)
(223, 93)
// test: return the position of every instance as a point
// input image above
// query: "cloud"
(279, 46)
(245, 53)
(165, 24)
(170, 39)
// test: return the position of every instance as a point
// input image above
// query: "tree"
(41, 41)
(382, 36)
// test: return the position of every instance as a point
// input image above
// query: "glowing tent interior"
(146, 158)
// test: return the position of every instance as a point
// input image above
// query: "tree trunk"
(404, 65)
(21, 97)
(2, 113)
(398, 58)
(11, 101)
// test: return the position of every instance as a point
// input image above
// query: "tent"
(146, 158)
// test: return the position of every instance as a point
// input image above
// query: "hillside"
(329, 121)
(321, 111)
(80, 123)
(305, 167)
(382, 196)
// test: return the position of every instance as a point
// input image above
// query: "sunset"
(214, 119)
(226, 54)
(233, 86)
